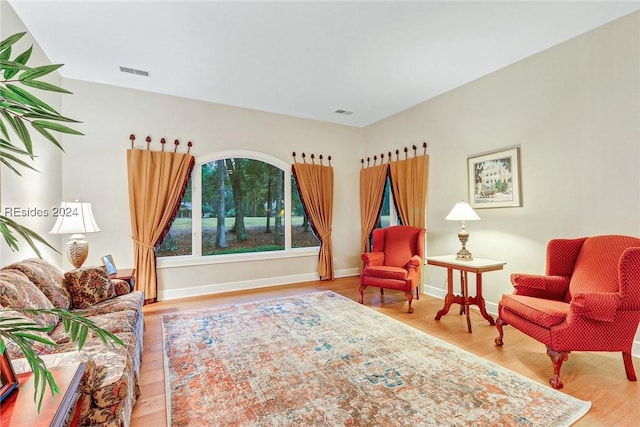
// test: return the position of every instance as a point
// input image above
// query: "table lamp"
(75, 218)
(463, 212)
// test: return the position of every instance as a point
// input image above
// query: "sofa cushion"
(17, 291)
(89, 286)
(48, 278)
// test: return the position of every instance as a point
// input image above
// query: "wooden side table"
(20, 410)
(477, 266)
(126, 274)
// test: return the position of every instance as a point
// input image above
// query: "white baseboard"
(216, 288)
(492, 308)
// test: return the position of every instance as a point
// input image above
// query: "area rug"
(324, 360)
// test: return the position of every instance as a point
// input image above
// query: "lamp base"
(464, 255)
(77, 250)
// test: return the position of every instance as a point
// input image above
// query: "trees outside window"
(243, 208)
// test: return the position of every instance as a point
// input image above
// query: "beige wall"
(575, 112)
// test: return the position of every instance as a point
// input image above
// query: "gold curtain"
(157, 181)
(315, 185)
(409, 186)
(372, 182)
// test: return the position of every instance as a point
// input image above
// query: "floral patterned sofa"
(110, 386)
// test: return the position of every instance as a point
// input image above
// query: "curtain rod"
(375, 158)
(163, 141)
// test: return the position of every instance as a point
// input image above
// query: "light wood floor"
(597, 377)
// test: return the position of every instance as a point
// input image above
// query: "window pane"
(302, 235)
(243, 207)
(385, 212)
(178, 239)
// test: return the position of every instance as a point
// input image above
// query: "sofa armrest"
(533, 285)
(601, 306)
(121, 287)
(372, 259)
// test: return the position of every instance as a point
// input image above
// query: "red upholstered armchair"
(395, 262)
(589, 300)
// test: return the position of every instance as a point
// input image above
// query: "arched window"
(238, 202)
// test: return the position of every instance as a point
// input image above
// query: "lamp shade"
(75, 218)
(462, 212)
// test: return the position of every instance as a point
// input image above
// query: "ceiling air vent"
(344, 112)
(134, 71)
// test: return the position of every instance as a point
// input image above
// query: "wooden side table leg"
(465, 295)
(448, 299)
(480, 300)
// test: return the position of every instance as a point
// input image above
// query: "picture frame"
(494, 179)
(107, 260)
(8, 379)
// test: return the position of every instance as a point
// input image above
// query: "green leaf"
(12, 65)
(5, 54)
(24, 135)
(8, 160)
(31, 99)
(38, 72)
(21, 59)
(4, 44)
(46, 116)
(3, 128)
(55, 126)
(8, 146)
(44, 86)
(30, 236)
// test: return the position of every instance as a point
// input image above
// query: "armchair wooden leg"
(410, 299)
(498, 340)
(362, 288)
(628, 366)
(557, 358)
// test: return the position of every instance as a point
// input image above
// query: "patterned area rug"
(324, 360)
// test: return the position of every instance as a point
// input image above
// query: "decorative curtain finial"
(405, 153)
(294, 157)
(414, 150)
(313, 156)
(329, 159)
(189, 145)
(304, 158)
(320, 159)
(163, 141)
(148, 139)
(175, 145)
(424, 145)
(132, 137)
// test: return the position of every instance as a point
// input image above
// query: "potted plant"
(21, 110)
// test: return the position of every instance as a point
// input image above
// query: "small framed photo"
(107, 260)
(494, 179)
(8, 380)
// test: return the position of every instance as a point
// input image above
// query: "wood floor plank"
(597, 377)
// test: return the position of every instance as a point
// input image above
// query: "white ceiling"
(304, 59)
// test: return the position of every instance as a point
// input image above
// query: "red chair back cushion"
(596, 269)
(400, 244)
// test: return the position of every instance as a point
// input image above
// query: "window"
(242, 204)
(388, 214)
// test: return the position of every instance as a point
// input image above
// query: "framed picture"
(494, 179)
(8, 380)
(107, 260)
